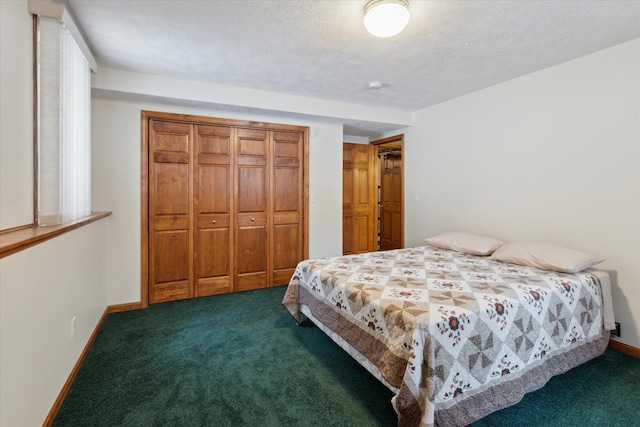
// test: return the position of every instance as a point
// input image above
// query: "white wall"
(116, 146)
(551, 156)
(325, 183)
(16, 114)
(43, 287)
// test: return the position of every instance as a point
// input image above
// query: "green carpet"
(241, 360)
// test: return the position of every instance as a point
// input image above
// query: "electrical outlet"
(73, 326)
(616, 331)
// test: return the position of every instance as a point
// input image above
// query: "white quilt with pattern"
(441, 327)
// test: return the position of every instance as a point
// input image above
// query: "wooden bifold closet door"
(226, 206)
(170, 236)
(252, 189)
(212, 202)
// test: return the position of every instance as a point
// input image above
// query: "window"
(63, 64)
(63, 119)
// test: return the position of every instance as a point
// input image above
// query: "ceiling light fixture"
(386, 18)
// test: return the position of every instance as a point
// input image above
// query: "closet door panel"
(252, 232)
(251, 257)
(172, 261)
(287, 196)
(287, 253)
(171, 265)
(251, 249)
(252, 191)
(215, 259)
(213, 247)
(214, 189)
(248, 282)
(214, 144)
(252, 177)
(252, 147)
(252, 209)
(170, 255)
(252, 143)
(171, 195)
(171, 137)
(286, 189)
(287, 149)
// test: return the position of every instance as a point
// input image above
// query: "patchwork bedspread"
(442, 328)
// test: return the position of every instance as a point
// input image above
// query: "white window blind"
(64, 125)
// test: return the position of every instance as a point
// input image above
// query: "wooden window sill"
(15, 240)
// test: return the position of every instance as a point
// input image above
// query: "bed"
(454, 335)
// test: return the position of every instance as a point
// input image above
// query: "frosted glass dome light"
(386, 18)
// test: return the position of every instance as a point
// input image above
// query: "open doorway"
(390, 192)
(373, 196)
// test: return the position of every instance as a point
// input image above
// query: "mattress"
(454, 336)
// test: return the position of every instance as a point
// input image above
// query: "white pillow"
(546, 256)
(467, 243)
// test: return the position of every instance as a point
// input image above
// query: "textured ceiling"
(320, 49)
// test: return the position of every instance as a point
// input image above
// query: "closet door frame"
(146, 117)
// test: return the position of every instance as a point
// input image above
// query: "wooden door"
(213, 184)
(252, 264)
(287, 205)
(170, 232)
(391, 200)
(358, 199)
